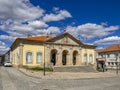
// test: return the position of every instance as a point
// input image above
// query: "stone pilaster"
(20, 54)
(78, 59)
(69, 59)
(59, 59)
(46, 57)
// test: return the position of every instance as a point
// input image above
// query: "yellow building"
(62, 50)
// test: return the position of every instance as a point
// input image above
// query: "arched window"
(39, 57)
(91, 58)
(29, 57)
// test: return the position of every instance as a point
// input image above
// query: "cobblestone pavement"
(69, 75)
(13, 79)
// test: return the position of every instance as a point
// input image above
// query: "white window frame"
(27, 61)
(85, 57)
(91, 58)
(39, 61)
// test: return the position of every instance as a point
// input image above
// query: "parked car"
(8, 64)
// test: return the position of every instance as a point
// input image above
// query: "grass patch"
(100, 70)
(41, 69)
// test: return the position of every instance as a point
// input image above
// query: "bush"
(40, 69)
(99, 69)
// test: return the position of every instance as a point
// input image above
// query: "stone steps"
(74, 69)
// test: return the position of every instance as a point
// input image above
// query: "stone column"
(59, 59)
(78, 58)
(69, 59)
(47, 57)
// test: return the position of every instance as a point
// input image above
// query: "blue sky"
(92, 21)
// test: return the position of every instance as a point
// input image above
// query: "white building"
(111, 54)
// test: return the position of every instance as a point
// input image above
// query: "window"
(108, 55)
(29, 57)
(112, 55)
(85, 57)
(116, 55)
(91, 58)
(101, 56)
(39, 57)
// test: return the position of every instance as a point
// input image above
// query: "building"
(8, 56)
(2, 58)
(62, 50)
(111, 54)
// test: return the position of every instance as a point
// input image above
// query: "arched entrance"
(53, 56)
(75, 54)
(64, 57)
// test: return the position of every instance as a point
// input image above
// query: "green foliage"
(41, 69)
(99, 69)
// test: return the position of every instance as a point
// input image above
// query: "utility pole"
(117, 68)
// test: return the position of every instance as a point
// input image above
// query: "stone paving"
(68, 75)
(12, 79)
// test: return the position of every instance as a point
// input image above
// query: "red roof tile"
(111, 48)
(38, 38)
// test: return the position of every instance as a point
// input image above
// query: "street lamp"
(117, 63)
(44, 61)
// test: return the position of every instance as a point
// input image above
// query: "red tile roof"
(38, 38)
(111, 48)
(48, 39)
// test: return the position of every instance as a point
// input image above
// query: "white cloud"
(98, 48)
(4, 50)
(21, 28)
(3, 47)
(53, 31)
(60, 15)
(21, 10)
(37, 24)
(15, 34)
(7, 38)
(2, 43)
(108, 40)
(91, 30)
(56, 8)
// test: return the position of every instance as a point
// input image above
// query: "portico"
(65, 50)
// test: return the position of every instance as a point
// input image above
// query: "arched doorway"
(75, 54)
(64, 57)
(53, 56)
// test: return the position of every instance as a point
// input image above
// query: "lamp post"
(44, 61)
(117, 68)
(117, 64)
